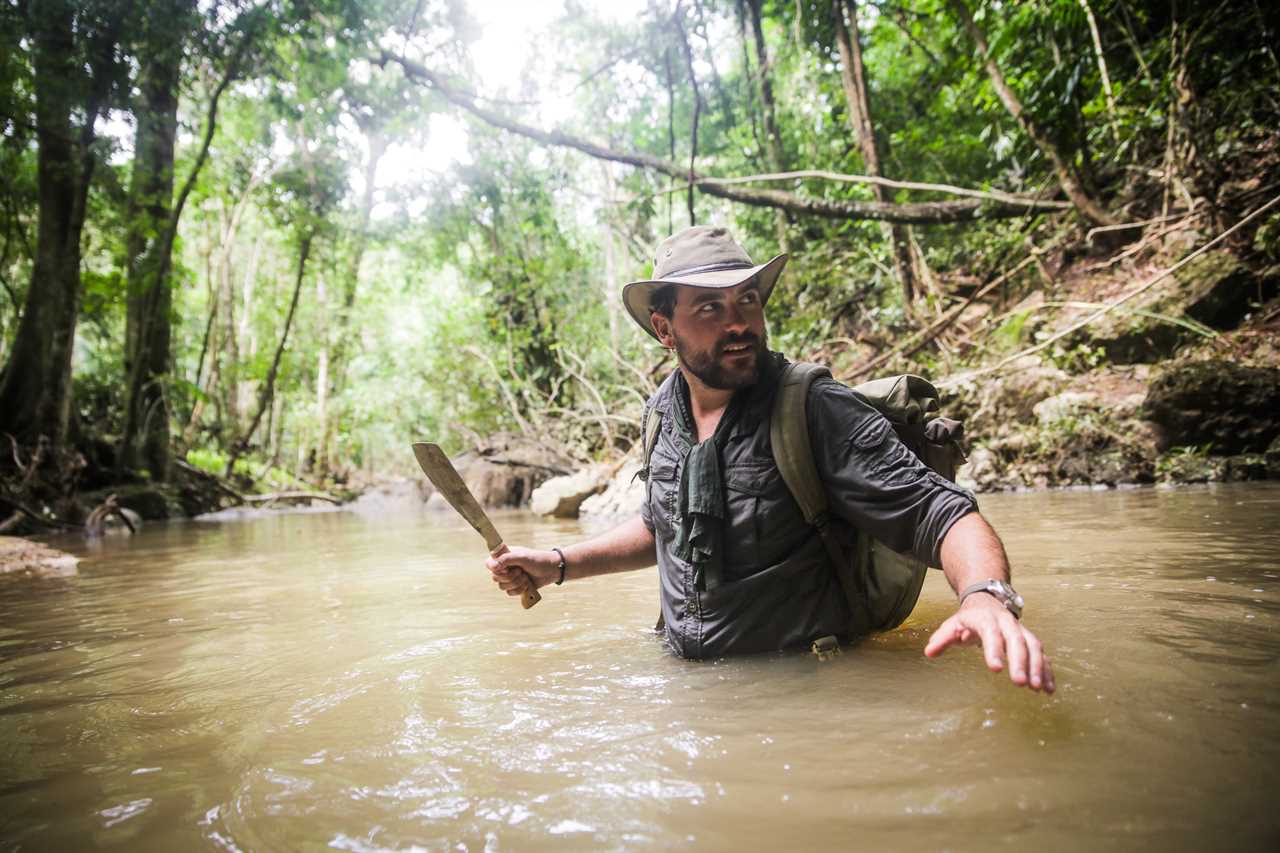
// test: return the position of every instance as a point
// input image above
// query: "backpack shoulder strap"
(649, 436)
(789, 437)
(649, 430)
(793, 454)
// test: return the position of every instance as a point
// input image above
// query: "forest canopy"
(280, 239)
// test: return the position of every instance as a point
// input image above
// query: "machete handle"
(530, 596)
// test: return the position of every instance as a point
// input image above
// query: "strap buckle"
(825, 648)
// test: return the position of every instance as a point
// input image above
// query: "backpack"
(881, 586)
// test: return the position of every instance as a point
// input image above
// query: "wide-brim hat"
(701, 256)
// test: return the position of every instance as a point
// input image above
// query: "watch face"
(1006, 594)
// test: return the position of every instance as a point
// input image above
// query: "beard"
(706, 364)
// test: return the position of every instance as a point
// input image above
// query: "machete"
(444, 476)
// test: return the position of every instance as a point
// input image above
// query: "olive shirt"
(779, 589)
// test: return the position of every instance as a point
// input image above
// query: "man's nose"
(734, 318)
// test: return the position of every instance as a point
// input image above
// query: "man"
(740, 570)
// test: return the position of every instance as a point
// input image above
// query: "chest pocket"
(662, 494)
(753, 493)
(751, 478)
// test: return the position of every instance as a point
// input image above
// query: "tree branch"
(919, 213)
(1026, 203)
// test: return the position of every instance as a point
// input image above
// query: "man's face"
(718, 334)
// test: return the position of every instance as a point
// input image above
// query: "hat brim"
(637, 295)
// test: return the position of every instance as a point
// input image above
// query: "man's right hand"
(518, 567)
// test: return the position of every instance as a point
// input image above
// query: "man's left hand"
(985, 620)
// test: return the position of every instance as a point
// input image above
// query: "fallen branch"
(515, 463)
(217, 481)
(291, 496)
(1110, 306)
(34, 516)
(98, 518)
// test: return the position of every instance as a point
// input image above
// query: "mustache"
(744, 338)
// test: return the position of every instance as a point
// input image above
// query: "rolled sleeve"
(874, 482)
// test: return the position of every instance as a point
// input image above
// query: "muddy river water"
(342, 681)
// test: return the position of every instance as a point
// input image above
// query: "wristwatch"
(1003, 592)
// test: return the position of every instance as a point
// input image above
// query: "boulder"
(1218, 290)
(1190, 467)
(621, 498)
(1065, 405)
(1245, 466)
(561, 497)
(500, 482)
(988, 404)
(1229, 407)
(1215, 290)
(1108, 467)
(506, 470)
(982, 472)
(23, 555)
(393, 496)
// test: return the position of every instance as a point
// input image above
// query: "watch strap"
(996, 589)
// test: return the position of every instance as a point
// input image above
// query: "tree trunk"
(1089, 208)
(149, 298)
(351, 286)
(671, 132)
(610, 281)
(275, 437)
(768, 110)
(35, 388)
(269, 385)
(197, 404)
(322, 378)
(697, 108)
(853, 78)
(338, 358)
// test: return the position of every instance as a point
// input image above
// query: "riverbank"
(1151, 363)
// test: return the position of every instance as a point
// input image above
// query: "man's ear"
(662, 325)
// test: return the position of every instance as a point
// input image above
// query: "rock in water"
(1272, 459)
(623, 496)
(561, 497)
(23, 555)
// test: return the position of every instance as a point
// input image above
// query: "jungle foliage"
(219, 239)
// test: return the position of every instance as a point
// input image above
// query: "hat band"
(734, 265)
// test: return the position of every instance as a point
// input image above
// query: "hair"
(663, 300)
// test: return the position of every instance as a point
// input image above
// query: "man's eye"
(750, 298)
(707, 308)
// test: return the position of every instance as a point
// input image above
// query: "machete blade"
(440, 471)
